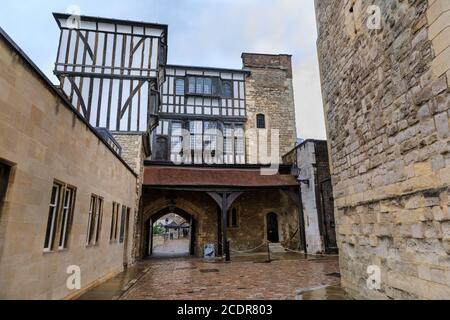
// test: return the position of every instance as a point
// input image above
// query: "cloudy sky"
(201, 32)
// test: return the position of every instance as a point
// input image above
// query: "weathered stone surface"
(269, 91)
(388, 128)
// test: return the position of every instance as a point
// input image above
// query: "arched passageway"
(169, 232)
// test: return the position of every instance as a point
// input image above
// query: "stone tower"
(269, 92)
(387, 103)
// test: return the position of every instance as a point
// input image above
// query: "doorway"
(272, 228)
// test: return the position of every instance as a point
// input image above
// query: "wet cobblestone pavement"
(245, 278)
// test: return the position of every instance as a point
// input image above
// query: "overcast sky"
(210, 33)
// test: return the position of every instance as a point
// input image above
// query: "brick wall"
(386, 101)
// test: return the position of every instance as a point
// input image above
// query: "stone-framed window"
(5, 171)
(232, 218)
(94, 221)
(123, 223)
(260, 121)
(59, 221)
(114, 222)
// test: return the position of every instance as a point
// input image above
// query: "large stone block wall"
(44, 140)
(269, 91)
(252, 209)
(386, 101)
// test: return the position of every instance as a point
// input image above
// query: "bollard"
(268, 252)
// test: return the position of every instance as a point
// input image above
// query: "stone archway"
(153, 217)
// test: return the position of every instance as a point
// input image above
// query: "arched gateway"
(205, 196)
(149, 229)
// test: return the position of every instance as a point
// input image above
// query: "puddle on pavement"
(325, 293)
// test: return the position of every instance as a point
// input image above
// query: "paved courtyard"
(244, 278)
(171, 248)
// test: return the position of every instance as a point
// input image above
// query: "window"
(67, 212)
(52, 215)
(114, 222)
(179, 87)
(227, 89)
(94, 220)
(204, 86)
(62, 202)
(124, 223)
(176, 141)
(4, 180)
(260, 121)
(232, 219)
(234, 144)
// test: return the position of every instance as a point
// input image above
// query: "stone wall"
(306, 162)
(252, 209)
(269, 91)
(43, 138)
(386, 101)
(134, 156)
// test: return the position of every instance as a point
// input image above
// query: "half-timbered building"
(207, 131)
(137, 139)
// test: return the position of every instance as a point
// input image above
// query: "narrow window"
(116, 221)
(239, 144)
(191, 84)
(228, 144)
(122, 224)
(179, 87)
(260, 121)
(227, 89)
(94, 220)
(4, 180)
(111, 232)
(207, 88)
(176, 141)
(99, 216)
(232, 219)
(67, 213)
(199, 86)
(52, 217)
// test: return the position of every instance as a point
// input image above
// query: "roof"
(165, 27)
(175, 66)
(59, 94)
(205, 177)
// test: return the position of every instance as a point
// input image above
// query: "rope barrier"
(311, 254)
(249, 250)
(287, 249)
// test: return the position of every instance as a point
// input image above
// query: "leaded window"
(179, 87)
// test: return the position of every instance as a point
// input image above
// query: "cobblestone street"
(187, 279)
(244, 278)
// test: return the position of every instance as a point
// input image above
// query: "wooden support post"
(225, 200)
(225, 245)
